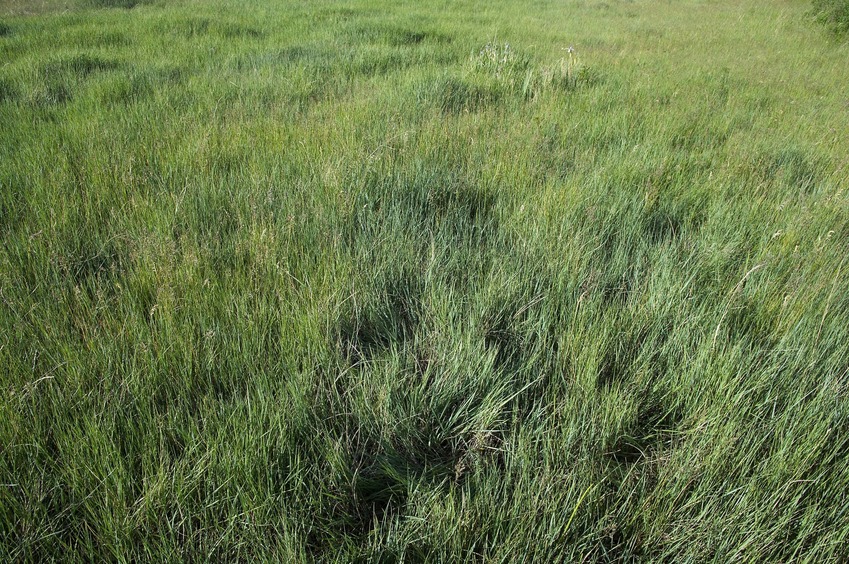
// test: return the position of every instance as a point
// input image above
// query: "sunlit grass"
(354, 282)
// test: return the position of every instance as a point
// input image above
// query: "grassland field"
(449, 281)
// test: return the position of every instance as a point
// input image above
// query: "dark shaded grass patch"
(91, 261)
(834, 14)
(312, 74)
(81, 65)
(378, 62)
(54, 93)
(618, 543)
(697, 134)
(384, 477)
(747, 320)
(198, 27)
(653, 427)
(463, 211)
(118, 4)
(375, 491)
(79, 252)
(621, 355)
(433, 199)
(14, 207)
(502, 335)
(556, 154)
(793, 167)
(239, 31)
(364, 471)
(59, 79)
(396, 36)
(212, 218)
(664, 222)
(86, 38)
(455, 95)
(201, 374)
(667, 212)
(307, 55)
(388, 319)
(126, 89)
(8, 91)
(430, 449)
(634, 458)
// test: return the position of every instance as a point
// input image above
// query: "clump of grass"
(8, 90)
(125, 4)
(834, 14)
(567, 74)
(518, 74)
(458, 93)
(500, 60)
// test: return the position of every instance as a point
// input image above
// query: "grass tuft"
(834, 14)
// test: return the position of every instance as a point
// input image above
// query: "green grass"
(834, 14)
(355, 281)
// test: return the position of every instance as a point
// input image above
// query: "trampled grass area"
(373, 281)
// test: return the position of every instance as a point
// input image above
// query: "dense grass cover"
(373, 281)
(833, 13)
